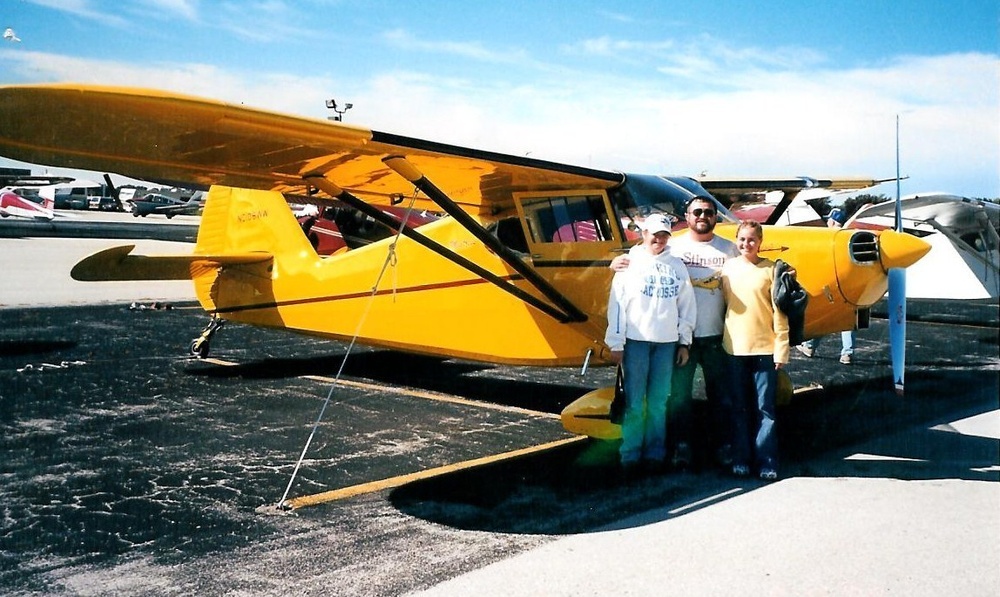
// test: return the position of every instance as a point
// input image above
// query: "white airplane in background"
(964, 260)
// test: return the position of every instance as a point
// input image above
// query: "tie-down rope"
(390, 259)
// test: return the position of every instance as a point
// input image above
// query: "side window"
(567, 219)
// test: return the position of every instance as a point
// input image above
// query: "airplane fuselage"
(398, 294)
(13, 205)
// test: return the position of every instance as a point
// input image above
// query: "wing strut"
(333, 190)
(781, 208)
(571, 313)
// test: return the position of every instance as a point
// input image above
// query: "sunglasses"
(698, 212)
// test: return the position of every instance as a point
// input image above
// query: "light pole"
(332, 104)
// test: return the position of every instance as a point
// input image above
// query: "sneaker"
(768, 474)
(845, 359)
(741, 470)
(808, 352)
(682, 456)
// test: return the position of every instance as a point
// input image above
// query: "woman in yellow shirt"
(756, 337)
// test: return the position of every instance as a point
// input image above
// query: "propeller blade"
(897, 292)
(897, 325)
(115, 191)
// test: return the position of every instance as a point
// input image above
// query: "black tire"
(199, 348)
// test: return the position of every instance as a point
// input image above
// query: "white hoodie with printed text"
(652, 301)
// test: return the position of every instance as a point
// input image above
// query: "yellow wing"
(164, 137)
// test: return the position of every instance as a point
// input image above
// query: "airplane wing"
(748, 194)
(951, 211)
(197, 143)
(188, 207)
(14, 180)
(735, 186)
(964, 260)
(164, 137)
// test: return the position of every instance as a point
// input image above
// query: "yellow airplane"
(517, 274)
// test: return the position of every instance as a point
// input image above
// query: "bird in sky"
(9, 35)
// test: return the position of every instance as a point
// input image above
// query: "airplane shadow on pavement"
(520, 388)
(576, 489)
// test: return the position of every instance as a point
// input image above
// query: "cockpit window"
(567, 218)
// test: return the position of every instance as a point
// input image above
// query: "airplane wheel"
(199, 348)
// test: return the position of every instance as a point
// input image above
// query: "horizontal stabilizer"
(116, 264)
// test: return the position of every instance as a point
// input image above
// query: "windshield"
(642, 194)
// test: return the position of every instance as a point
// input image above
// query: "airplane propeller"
(897, 297)
(115, 191)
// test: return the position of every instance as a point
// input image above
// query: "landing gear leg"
(200, 345)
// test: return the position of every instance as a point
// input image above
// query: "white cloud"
(84, 9)
(764, 121)
(471, 50)
(702, 58)
(186, 9)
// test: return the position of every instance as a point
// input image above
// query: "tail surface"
(244, 222)
(242, 234)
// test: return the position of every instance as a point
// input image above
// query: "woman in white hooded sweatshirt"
(651, 317)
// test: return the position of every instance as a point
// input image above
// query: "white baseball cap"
(656, 223)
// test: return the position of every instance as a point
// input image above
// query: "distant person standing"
(703, 253)
(651, 317)
(836, 219)
(756, 336)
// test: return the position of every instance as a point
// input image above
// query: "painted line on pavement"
(393, 482)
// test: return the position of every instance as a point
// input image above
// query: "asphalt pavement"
(131, 468)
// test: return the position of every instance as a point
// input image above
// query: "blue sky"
(665, 87)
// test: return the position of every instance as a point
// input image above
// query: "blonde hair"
(753, 225)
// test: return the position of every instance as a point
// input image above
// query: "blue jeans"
(754, 383)
(846, 343)
(707, 352)
(648, 367)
